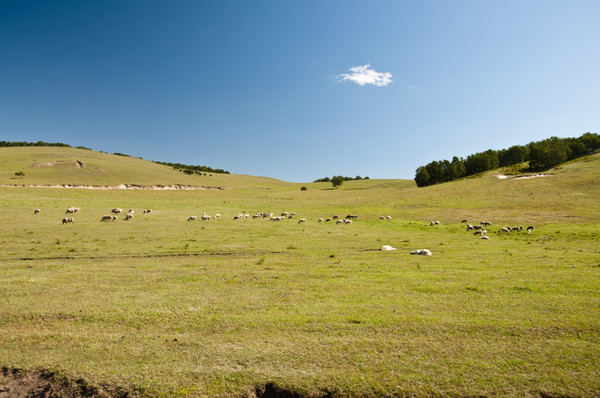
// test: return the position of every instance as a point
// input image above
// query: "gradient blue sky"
(254, 87)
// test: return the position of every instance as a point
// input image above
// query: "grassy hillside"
(104, 169)
(165, 307)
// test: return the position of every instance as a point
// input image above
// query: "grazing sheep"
(191, 218)
(432, 223)
(116, 210)
(148, 211)
(480, 232)
(293, 213)
(128, 217)
(321, 219)
(346, 221)
(477, 227)
(335, 217)
(329, 219)
(529, 228)
(351, 216)
(72, 210)
(217, 215)
(464, 221)
(387, 248)
(67, 220)
(339, 222)
(284, 214)
(301, 220)
(246, 215)
(505, 229)
(422, 252)
(205, 217)
(37, 211)
(107, 218)
(131, 211)
(469, 227)
(485, 237)
(486, 223)
(382, 217)
(388, 217)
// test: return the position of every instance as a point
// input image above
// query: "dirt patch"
(530, 176)
(172, 187)
(40, 165)
(505, 177)
(271, 390)
(74, 163)
(40, 383)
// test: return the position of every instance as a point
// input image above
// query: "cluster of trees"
(187, 169)
(342, 178)
(336, 181)
(541, 155)
(25, 143)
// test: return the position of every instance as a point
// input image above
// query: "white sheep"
(191, 218)
(387, 248)
(421, 252)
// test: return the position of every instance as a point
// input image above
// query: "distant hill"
(49, 165)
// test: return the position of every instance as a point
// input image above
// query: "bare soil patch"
(74, 163)
(41, 383)
(172, 187)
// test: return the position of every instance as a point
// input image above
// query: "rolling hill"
(65, 165)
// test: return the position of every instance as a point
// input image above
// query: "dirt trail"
(172, 187)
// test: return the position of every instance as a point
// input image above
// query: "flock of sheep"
(479, 229)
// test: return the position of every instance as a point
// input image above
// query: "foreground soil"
(41, 383)
(15, 383)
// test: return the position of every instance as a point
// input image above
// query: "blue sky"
(267, 87)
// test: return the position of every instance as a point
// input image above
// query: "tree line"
(342, 178)
(541, 155)
(25, 143)
(189, 169)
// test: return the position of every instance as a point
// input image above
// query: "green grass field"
(165, 307)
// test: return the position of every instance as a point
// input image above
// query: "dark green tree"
(422, 177)
(337, 181)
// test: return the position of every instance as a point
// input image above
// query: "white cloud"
(362, 75)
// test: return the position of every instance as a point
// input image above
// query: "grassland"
(166, 307)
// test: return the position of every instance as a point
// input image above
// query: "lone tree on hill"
(336, 181)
